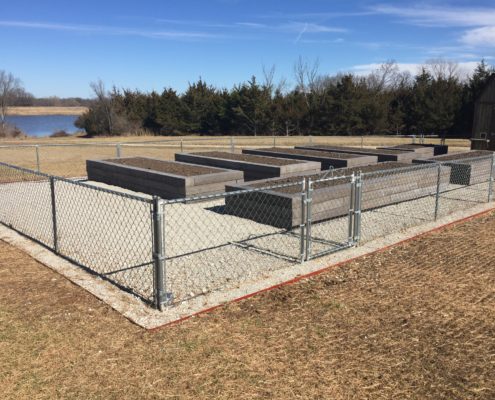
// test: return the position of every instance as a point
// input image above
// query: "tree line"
(387, 101)
(437, 100)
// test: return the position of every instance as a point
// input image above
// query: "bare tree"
(269, 75)
(10, 86)
(104, 100)
(443, 69)
(386, 76)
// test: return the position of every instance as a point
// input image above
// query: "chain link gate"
(332, 215)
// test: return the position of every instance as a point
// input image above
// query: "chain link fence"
(169, 251)
(69, 159)
(106, 232)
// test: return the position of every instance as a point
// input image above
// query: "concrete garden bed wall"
(328, 160)
(282, 206)
(167, 179)
(421, 151)
(383, 155)
(254, 167)
(466, 168)
(438, 149)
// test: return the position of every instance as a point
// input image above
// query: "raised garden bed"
(281, 207)
(383, 155)
(467, 168)
(167, 179)
(438, 149)
(328, 160)
(254, 167)
(420, 151)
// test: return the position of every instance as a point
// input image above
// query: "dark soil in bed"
(344, 172)
(407, 146)
(316, 153)
(170, 167)
(464, 155)
(364, 150)
(248, 158)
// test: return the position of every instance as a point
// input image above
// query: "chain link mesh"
(223, 241)
(108, 233)
(25, 203)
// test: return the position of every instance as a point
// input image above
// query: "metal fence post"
(232, 146)
(160, 297)
(490, 182)
(357, 208)
(37, 147)
(181, 146)
(309, 199)
(274, 141)
(54, 214)
(437, 195)
(351, 209)
(302, 226)
(118, 150)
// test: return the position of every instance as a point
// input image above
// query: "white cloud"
(441, 16)
(106, 30)
(481, 20)
(484, 36)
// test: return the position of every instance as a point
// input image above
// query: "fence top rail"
(78, 183)
(247, 189)
(192, 139)
(463, 160)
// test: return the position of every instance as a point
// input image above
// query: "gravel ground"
(206, 250)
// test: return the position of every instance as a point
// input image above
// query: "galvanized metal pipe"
(309, 210)
(351, 210)
(437, 196)
(357, 208)
(158, 253)
(490, 182)
(37, 147)
(302, 225)
(54, 214)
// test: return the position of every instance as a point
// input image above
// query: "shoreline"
(42, 111)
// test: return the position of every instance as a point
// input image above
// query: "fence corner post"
(309, 216)
(490, 182)
(358, 195)
(437, 195)
(352, 196)
(54, 214)
(160, 297)
(38, 167)
(302, 225)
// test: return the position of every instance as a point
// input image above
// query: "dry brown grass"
(412, 322)
(47, 110)
(70, 161)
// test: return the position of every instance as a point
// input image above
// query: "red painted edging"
(320, 271)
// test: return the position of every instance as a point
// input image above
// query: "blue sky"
(58, 47)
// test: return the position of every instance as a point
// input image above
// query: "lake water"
(43, 125)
